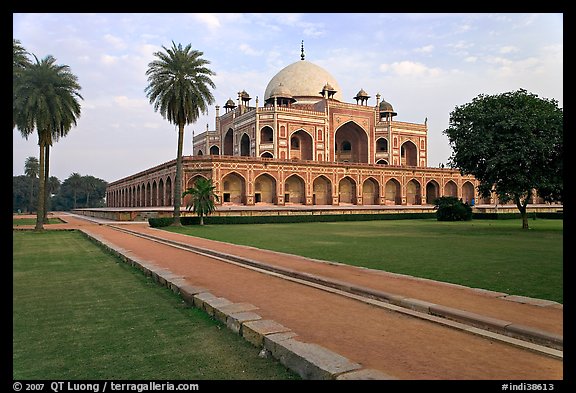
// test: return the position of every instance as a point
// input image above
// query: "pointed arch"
(229, 143)
(432, 191)
(370, 192)
(245, 145)
(234, 189)
(413, 192)
(265, 189)
(214, 150)
(294, 191)
(467, 192)
(409, 154)
(301, 145)
(322, 191)
(393, 192)
(351, 143)
(347, 191)
(450, 189)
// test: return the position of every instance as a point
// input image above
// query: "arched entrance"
(214, 151)
(467, 192)
(408, 154)
(229, 143)
(432, 192)
(351, 143)
(450, 189)
(413, 193)
(233, 189)
(294, 190)
(300, 146)
(245, 145)
(370, 194)
(161, 193)
(266, 154)
(347, 191)
(322, 194)
(169, 199)
(189, 184)
(266, 135)
(265, 189)
(393, 192)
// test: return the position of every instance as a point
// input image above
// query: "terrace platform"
(144, 213)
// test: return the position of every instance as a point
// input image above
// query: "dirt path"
(401, 346)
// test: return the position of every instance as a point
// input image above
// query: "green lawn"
(80, 313)
(489, 254)
(32, 221)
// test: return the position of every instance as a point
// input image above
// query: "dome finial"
(302, 51)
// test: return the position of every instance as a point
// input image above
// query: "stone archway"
(214, 151)
(265, 189)
(294, 190)
(467, 192)
(245, 145)
(233, 189)
(393, 192)
(409, 154)
(301, 146)
(347, 191)
(413, 193)
(322, 191)
(370, 194)
(450, 189)
(432, 192)
(351, 143)
(229, 143)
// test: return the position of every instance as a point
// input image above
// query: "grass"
(490, 254)
(81, 313)
(32, 221)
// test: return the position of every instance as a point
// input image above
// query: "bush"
(452, 209)
(159, 222)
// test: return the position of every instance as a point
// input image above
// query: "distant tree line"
(76, 191)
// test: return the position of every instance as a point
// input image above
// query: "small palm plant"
(202, 198)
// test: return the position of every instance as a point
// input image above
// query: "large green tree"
(179, 88)
(512, 143)
(46, 100)
(202, 198)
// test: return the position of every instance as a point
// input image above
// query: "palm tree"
(203, 196)
(46, 101)
(31, 167)
(76, 182)
(178, 87)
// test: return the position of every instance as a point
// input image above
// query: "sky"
(424, 64)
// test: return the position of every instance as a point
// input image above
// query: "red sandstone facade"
(304, 147)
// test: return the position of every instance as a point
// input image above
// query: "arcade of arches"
(240, 181)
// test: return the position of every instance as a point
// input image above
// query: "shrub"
(452, 209)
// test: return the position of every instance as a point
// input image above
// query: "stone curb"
(521, 332)
(310, 361)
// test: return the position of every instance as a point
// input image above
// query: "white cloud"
(410, 68)
(508, 49)
(425, 49)
(115, 42)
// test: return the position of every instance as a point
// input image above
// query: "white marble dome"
(304, 80)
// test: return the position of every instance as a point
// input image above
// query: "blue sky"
(423, 64)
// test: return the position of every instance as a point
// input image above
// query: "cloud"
(508, 49)
(425, 49)
(410, 68)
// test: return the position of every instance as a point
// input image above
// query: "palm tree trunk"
(42, 185)
(178, 181)
(46, 188)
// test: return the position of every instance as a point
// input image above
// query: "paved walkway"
(374, 338)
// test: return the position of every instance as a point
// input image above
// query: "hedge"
(222, 220)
